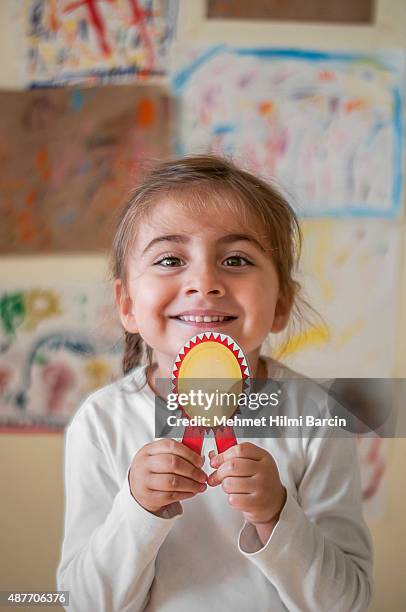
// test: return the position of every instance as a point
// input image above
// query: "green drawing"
(12, 312)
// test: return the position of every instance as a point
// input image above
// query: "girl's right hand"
(165, 471)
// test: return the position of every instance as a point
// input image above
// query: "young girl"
(269, 524)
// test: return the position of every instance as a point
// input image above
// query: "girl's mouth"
(205, 321)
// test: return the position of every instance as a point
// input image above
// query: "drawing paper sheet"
(69, 160)
(327, 127)
(58, 343)
(95, 41)
(350, 275)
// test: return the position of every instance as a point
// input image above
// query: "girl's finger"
(238, 485)
(174, 482)
(168, 445)
(163, 499)
(246, 502)
(233, 467)
(245, 450)
(173, 464)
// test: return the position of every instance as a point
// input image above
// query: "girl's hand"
(249, 475)
(163, 472)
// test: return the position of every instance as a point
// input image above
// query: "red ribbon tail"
(225, 438)
(193, 438)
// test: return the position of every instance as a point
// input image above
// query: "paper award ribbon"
(206, 358)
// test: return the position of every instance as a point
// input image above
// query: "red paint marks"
(31, 197)
(5, 377)
(326, 75)
(146, 113)
(41, 161)
(373, 453)
(265, 108)
(59, 378)
(353, 105)
(276, 145)
(53, 18)
(374, 482)
(376, 464)
(41, 158)
(96, 19)
(139, 19)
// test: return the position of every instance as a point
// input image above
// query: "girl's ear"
(125, 307)
(282, 312)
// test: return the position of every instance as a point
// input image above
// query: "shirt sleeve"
(319, 555)
(110, 541)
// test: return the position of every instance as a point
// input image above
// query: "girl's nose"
(206, 282)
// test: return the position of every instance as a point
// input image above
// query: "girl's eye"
(236, 261)
(168, 261)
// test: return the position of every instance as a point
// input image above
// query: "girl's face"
(193, 272)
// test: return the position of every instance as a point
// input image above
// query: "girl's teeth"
(199, 319)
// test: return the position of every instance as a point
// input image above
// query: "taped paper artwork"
(341, 263)
(327, 127)
(69, 158)
(96, 41)
(57, 344)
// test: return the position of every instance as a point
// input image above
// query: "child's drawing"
(57, 344)
(326, 126)
(96, 41)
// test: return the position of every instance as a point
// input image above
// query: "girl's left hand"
(250, 477)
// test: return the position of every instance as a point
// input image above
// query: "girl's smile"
(204, 319)
(189, 273)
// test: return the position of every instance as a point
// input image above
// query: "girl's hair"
(195, 180)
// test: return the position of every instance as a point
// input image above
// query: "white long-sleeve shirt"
(117, 556)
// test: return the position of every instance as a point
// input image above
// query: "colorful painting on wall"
(69, 158)
(327, 127)
(350, 275)
(57, 344)
(96, 41)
